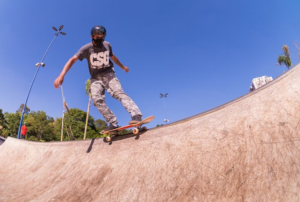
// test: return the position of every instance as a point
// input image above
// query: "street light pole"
(38, 65)
(165, 96)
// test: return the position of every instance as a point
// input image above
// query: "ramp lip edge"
(222, 106)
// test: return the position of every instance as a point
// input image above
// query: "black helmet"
(98, 30)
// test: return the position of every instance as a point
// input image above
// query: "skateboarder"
(103, 77)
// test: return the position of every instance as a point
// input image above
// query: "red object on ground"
(23, 130)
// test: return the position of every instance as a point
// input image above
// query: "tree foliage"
(88, 87)
(285, 58)
(100, 124)
(76, 119)
(3, 123)
(41, 127)
(26, 110)
(12, 121)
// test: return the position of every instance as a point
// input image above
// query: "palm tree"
(88, 92)
(285, 58)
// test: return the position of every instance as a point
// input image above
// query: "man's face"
(97, 36)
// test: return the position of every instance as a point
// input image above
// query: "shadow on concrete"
(2, 140)
(91, 145)
(126, 136)
(116, 138)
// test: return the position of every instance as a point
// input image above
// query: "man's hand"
(58, 81)
(117, 61)
(126, 69)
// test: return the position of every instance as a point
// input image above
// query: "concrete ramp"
(245, 150)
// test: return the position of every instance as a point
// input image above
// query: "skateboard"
(137, 128)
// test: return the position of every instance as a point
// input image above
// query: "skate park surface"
(245, 150)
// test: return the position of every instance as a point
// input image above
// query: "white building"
(259, 82)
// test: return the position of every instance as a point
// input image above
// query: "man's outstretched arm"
(117, 61)
(60, 79)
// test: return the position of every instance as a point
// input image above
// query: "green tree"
(124, 132)
(76, 118)
(285, 58)
(40, 126)
(100, 124)
(12, 121)
(3, 123)
(88, 92)
(27, 109)
(32, 138)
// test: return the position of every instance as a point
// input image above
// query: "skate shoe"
(110, 127)
(136, 119)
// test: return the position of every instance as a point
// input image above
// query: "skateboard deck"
(136, 130)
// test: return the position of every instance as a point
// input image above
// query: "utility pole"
(164, 96)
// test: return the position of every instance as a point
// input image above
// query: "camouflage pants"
(110, 83)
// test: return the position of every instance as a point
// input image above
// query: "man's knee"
(119, 95)
(98, 101)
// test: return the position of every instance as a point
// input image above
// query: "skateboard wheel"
(108, 139)
(144, 128)
(135, 131)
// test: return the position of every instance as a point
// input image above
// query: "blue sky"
(203, 53)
